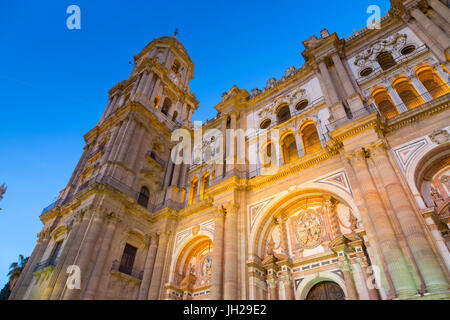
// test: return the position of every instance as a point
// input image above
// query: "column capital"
(377, 149)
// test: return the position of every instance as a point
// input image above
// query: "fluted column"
(288, 284)
(83, 257)
(148, 268)
(158, 268)
(426, 260)
(27, 273)
(441, 9)
(217, 255)
(230, 285)
(430, 28)
(388, 243)
(105, 245)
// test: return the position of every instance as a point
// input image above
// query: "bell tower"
(131, 144)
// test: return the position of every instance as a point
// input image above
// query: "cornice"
(295, 167)
(370, 121)
(428, 109)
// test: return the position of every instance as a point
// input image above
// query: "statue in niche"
(446, 181)
(207, 267)
(436, 196)
(353, 221)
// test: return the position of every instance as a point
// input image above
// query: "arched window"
(175, 115)
(435, 86)
(193, 191)
(384, 103)
(157, 101)
(144, 197)
(166, 106)
(267, 155)
(310, 138)
(407, 93)
(204, 186)
(176, 66)
(265, 124)
(302, 105)
(283, 114)
(385, 60)
(289, 148)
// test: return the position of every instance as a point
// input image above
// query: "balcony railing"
(44, 264)
(126, 270)
(355, 115)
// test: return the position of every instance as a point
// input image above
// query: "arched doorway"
(326, 290)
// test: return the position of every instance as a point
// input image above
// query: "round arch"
(311, 280)
(265, 220)
(185, 250)
(424, 158)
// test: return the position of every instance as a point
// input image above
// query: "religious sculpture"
(309, 229)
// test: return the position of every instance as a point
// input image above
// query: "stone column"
(142, 83)
(415, 237)
(27, 273)
(221, 166)
(217, 255)
(369, 282)
(437, 236)
(199, 189)
(343, 75)
(346, 269)
(231, 144)
(176, 175)
(230, 281)
(441, 9)
(328, 83)
(396, 99)
(57, 283)
(431, 29)
(147, 86)
(125, 143)
(155, 284)
(148, 268)
(288, 283)
(96, 274)
(388, 242)
(272, 284)
(420, 88)
(83, 257)
(425, 38)
(136, 85)
(118, 140)
(298, 142)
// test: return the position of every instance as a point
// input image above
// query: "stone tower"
(126, 163)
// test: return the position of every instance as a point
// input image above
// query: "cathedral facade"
(330, 183)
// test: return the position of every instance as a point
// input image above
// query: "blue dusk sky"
(54, 81)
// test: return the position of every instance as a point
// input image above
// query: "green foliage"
(6, 291)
